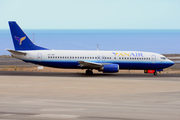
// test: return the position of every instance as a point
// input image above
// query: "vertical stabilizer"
(21, 40)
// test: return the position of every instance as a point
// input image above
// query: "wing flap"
(90, 64)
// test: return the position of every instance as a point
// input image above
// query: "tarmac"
(76, 96)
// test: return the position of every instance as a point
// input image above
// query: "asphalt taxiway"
(74, 96)
(102, 75)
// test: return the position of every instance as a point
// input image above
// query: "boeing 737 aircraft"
(105, 61)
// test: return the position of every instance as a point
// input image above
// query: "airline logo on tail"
(20, 39)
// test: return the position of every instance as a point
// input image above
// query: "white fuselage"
(70, 58)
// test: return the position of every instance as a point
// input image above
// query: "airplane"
(103, 61)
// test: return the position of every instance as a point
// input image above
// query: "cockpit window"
(163, 58)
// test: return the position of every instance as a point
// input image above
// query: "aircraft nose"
(171, 63)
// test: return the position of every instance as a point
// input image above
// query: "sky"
(91, 14)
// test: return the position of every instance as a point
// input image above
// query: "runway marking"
(57, 116)
(54, 109)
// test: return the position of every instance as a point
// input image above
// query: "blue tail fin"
(21, 40)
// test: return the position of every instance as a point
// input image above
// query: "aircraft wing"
(91, 64)
(16, 52)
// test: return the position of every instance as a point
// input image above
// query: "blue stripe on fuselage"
(122, 64)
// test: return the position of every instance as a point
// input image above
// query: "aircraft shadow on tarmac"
(55, 74)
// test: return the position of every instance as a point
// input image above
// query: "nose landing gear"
(155, 73)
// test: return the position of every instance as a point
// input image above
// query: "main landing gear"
(89, 72)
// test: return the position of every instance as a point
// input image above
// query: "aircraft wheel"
(89, 72)
(155, 73)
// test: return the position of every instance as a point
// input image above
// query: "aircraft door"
(153, 58)
(39, 57)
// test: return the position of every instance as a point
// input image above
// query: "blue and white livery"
(105, 61)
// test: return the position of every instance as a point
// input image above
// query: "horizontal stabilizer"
(16, 52)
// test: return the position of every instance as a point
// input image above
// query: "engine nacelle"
(110, 68)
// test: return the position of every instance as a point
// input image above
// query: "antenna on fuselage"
(97, 47)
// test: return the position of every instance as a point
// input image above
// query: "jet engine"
(110, 68)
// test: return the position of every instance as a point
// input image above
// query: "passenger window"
(103, 58)
(98, 58)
